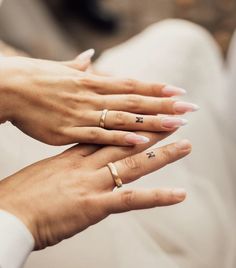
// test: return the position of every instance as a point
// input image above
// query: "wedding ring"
(103, 118)
(115, 175)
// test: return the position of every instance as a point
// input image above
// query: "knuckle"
(130, 84)
(154, 123)
(166, 154)
(133, 102)
(93, 135)
(156, 197)
(119, 119)
(113, 139)
(85, 81)
(167, 106)
(128, 198)
(154, 89)
(132, 163)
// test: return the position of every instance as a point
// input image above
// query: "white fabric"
(16, 242)
(199, 232)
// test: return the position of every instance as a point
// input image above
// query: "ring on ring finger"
(103, 118)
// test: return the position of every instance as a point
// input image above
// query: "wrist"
(5, 113)
(8, 104)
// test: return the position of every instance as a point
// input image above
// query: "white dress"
(197, 233)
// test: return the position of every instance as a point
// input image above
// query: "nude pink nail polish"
(173, 122)
(133, 138)
(180, 193)
(183, 145)
(184, 107)
(173, 91)
(86, 55)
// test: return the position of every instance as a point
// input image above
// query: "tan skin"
(63, 195)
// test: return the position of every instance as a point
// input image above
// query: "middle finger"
(145, 105)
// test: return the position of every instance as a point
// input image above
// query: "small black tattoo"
(139, 119)
(151, 154)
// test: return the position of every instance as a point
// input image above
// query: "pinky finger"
(122, 201)
(96, 135)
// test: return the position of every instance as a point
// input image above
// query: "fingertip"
(170, 90)
(135, 139)
(180, 194)
(184, 145)
(86, 55)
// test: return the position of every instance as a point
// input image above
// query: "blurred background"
(60, 29)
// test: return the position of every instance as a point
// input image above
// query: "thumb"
(82, 61)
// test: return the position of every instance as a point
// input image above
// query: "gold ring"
(115, 175)
(103, 118)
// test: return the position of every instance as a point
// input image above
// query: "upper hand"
(59, 105)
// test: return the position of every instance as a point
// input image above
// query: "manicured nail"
(173, 122)
(136, 139)
(173, 91)
(183, 145)
(180, 193)
(184, 107)
(87, 55)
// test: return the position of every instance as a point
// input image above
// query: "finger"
(133, 167)
(111, 85)
(82, 150)
(82, 62)
(122, 201)
(118, 120)
(145, 105)
(136, 122)
(115, 153)
(96, 135)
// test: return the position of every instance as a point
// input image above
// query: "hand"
(63, 195)
(60, 105)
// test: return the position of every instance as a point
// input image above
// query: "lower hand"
(63, 195)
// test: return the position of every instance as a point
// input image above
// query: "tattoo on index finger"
(151, 154)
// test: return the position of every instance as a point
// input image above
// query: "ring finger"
(117, 120)
(128, 121)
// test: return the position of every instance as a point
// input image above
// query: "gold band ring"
(115, 175)
(103, 118)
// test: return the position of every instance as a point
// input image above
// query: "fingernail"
(87, 55)
(136, 139)
(173, 122)
(173, 91)
(180, 193)
(183, 145)
(184, 107)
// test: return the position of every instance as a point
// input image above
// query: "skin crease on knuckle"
(130, 85)
(166, 155)
(120, 119)
(133, 102)
(89, 82)
(127, 198)
(133, 164)
(93, 135)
